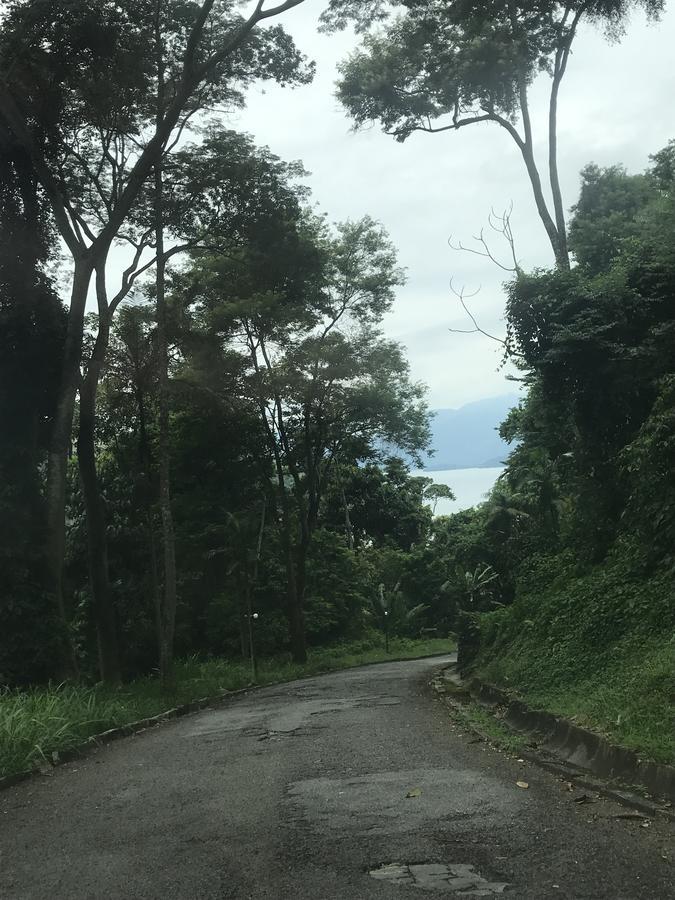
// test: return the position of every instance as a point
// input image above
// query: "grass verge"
(40, 722)
(597, 648)
(469, 715)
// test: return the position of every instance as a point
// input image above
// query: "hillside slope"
(596, 645)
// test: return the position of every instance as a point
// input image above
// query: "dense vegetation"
(200, 462)
(581, 526)
(214, 459)
(279, 385)
(564, 575)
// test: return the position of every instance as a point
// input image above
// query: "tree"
(478, 584)
(77, 97)
(442, 66)
(213, 194)
(31, 341)
(607, 215)
(385, 502)
(595, 345)
(436, 492)
(324, 382)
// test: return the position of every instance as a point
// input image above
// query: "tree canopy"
(436, 66)
(228, 438)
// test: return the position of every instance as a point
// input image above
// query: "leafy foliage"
(596, 645)
(31, 340)
(580, 527)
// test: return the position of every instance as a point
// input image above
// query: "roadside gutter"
(561, 746)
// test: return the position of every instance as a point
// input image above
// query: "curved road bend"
(300, 791)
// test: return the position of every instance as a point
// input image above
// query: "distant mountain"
(467, 437)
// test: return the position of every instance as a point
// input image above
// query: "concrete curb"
(113, 734)
(575, 752)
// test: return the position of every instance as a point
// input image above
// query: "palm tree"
(478, 581)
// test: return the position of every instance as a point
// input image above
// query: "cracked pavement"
(348, 786)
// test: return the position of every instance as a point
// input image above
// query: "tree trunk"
(294, 598)
(563, 258)
(558, 240)
(104, 613)
(146, 463)
(243, 632)
(59, 446)
(558, 243)
(169, 597)
(296, 616)
(349, 528)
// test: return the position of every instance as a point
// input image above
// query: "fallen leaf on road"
(415, 792)
(522, 784)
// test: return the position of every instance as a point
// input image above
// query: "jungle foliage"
(282, 394)
(580, 527)
(216, 453)
(187, 456)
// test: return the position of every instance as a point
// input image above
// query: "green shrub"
(597, 646)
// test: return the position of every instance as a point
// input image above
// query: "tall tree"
(325, 383)
(31, 340)
(76, 95)
(332, 391)
(442, 65)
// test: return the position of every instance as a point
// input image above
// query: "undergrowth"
(598, 648)
(36, 724)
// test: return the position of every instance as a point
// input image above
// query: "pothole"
(456, 877)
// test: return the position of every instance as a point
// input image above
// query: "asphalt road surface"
(351, 785)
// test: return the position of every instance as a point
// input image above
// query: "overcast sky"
(617, 106)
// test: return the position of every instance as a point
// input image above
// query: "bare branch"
(501, 225)
(462, 296)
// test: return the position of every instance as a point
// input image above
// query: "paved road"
(300, 791)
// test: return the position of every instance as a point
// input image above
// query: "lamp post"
(254, 666)
(384, 604)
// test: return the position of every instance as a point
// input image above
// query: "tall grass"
(38, 724)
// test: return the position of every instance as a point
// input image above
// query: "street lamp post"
(254, 666)
(384, 603)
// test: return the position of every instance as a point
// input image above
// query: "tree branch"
(462, 296)
(17, 126)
